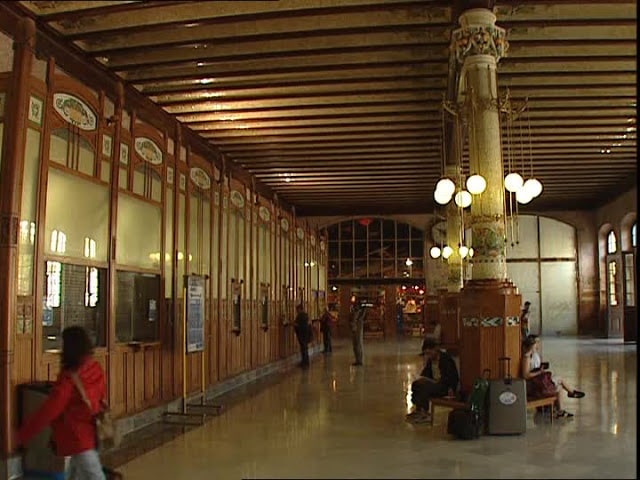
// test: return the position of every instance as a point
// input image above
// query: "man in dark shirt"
(325, 327)
(357, 332)
(303, 333)
(438, 379)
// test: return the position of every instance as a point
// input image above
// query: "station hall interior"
(178, 177)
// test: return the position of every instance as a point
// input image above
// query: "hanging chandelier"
(519, 190)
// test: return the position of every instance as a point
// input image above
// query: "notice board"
(195, 313)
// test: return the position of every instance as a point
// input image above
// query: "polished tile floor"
(335, 421)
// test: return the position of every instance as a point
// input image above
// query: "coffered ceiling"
(335, 104)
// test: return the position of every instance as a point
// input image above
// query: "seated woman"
(439, 378)
(537, 363)
(539, 380)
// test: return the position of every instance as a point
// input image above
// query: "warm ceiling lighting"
(446, 186)
(408, 262)
(476, 184)
(513, 182)
(441, 197)
(533, 187)
(435, 252)
(462, 199)
(447, 252)
(464, 251)
(523, 196)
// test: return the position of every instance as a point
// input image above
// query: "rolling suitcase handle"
(506, 373)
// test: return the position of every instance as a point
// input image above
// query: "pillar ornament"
(479, 35)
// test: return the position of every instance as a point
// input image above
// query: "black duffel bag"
(464, 424)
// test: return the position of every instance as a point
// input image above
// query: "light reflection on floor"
(339, 421)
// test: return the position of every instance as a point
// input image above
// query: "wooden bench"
(453, 403)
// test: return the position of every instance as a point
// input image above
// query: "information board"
(195, 313)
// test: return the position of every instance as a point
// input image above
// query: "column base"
(490, 327)
(450, 321)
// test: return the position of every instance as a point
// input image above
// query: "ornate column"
(478, 46)
(10, 196)
(489, 303)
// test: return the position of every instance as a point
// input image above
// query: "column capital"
(478, 35)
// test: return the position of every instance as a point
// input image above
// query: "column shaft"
(10, 196)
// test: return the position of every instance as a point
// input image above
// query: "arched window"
(633, 236)
(612, 245)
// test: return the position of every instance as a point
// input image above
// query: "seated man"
(439, 378)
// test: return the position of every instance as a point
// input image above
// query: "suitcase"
(507, 403)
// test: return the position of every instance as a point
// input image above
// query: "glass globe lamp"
(476, 184)
(523, 196)
(463, 199)
(513, 182)
(435, 252)
(446, 186)
(447, 252)
(441, 197)
(533, 187)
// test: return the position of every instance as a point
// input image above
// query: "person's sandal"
(576, 394)
(564, 414)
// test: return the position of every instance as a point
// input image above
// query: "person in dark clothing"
(303, 333)
(356, 323)
(439, 378)
(325, 327)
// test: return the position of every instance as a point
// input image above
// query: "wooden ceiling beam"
(224, 13)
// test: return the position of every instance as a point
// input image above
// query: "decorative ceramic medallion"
(75, 111)
(148, 150)
(35, 110)
(170, 175)
(284, 224)
(183, 181)
(237, 199)
(3, 101)
(323, 246)
(107, 145)
(200, 178)
(124, 154)
(265, 214)
(300, 233)
(312, 239)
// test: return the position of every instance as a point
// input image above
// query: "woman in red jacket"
(71, 420)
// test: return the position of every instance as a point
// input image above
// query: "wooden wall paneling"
(167, 340)
(118, 392)
(176, 352)
(214, 258)
(226, 336)
(22, 359)
(181, 223)
(35, 341)
(221, 231)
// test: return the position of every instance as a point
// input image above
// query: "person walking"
(66, 410)
(357, 332)
(303, 333)
(325, 327)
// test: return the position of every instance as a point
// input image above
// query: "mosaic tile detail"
(482, 322)
(512, 321)
(492, 322)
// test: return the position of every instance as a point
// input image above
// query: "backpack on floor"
(464, 424)
(468, 423)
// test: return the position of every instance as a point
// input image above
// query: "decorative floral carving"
(479, 40)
